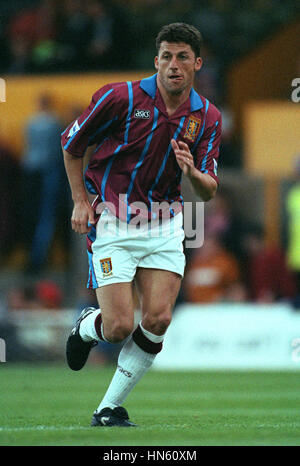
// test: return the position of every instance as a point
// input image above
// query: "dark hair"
(180, 32)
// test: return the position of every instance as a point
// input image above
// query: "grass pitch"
(52, 405)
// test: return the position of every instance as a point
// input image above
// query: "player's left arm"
(204, 185)
(202, 169)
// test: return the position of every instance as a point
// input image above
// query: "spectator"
(40, 295)
(75, 35)
(9, 198)
(211, 21)
(43, 179)
(32, 33)
(269, 278)
(208, 80)
(49, 294)
(210, 274)
(222, 220)
(230, 152)
(5, 45)
(23, 298)
(22, 37)
(45, 49)
(293, 210)
(101, 36)
(236, 293)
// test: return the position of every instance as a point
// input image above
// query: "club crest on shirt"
(106, 267)
(192, 128)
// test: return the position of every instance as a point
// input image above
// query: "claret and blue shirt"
(131, 130)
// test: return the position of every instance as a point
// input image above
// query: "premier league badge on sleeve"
(74, 129)
(215, 167)
(106, 267)
(192, 128)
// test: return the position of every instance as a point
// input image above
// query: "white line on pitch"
(22, 429)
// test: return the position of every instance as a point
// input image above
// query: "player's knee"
(164, 321)
(158, 323)
(118, 331)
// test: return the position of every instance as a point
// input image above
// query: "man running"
(142, 136)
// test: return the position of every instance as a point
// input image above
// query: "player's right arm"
(80, 138)
(83, 213)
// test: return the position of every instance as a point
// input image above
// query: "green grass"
(52, 405)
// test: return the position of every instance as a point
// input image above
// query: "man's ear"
(156, 63)
(198, 64)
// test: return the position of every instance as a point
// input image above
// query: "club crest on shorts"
(192, 129)
(106, 267)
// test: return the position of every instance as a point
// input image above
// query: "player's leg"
(158, 290)
(117, 319)
(112, 323)
(111, 272)
(158, 278)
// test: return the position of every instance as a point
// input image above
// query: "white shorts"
(119, 248)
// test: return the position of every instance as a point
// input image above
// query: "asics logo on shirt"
(144, 114)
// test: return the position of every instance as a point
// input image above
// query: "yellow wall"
(265, 73)
(67, 91)
(271, 133)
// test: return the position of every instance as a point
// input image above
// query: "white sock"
(87, 329)
(133, 363)
(151, 336)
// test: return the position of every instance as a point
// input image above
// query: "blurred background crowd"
(42, 263)
(71, 35)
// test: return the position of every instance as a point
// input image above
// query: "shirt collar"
(149, 85)
(195, 99)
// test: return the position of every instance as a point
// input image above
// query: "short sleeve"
(97, 116)
(208, 148)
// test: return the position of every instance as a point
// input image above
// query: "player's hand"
(83, 217)
(183, 156)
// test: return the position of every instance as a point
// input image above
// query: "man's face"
(176, 65)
